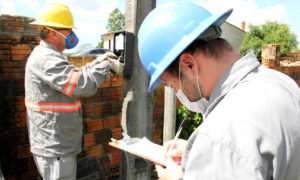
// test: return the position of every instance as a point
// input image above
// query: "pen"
(177, 134)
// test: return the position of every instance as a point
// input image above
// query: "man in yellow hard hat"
(52, 90)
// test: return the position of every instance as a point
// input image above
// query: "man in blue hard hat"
(251, 126)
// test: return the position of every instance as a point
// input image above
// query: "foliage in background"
(269, 33)
(100, 44)
(193, 121)
(116, 21)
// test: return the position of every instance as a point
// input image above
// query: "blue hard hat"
(168, 30)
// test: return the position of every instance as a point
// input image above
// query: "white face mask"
(197, 106)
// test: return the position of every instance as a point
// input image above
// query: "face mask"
(71, 41)
(197, 106)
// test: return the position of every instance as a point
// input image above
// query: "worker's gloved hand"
(105, 56)
(116, 66)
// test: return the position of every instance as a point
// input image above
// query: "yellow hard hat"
(55, 15)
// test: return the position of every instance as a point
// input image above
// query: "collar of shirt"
(230, 79)
(48, 45)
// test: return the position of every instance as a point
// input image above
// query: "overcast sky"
(91, 16)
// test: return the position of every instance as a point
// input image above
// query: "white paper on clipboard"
(142, 148)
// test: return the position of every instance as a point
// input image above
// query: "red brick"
(18, 57)
(158, 113)
(105, 84)
(13, 38)
(96, 98)
(105, 161)
(156, 138)
(117, 133)
(117, 83)
(13, 65)
(95, 151)
(21, 47)
(160, 100)
(20, 119)
(103, 136)
(160, 90)
(115, 158)
(23, 151)
(115, 170)
(32, 30)
(5, 52)
(4, 46)
(21, 52)
(17, 103)
(108, 149)
(103, 109)
(32, 40)
(89, 140)
(12, 18)
(111, 93)
(94, 125)
(13, 29)
(12, 24)
(116, 107)
(89, 110)
(107, 172)
(12, 75)
(112, 121)
(5, 57)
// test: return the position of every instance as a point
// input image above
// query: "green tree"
(100, 44)
(269, 33)
(116, 21)
(193, 120)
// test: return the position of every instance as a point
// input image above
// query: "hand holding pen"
(175, 148)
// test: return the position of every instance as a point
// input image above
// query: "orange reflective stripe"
(68, 82)
(52, 106)
(74, 84)
(71, 82)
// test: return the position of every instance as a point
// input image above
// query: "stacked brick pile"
(101, 112)
(288, 64)
(17, 39)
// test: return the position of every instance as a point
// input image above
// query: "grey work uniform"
(251, 129)
(52, 88)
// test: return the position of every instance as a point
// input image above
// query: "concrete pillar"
(169, 114)
(137, 110)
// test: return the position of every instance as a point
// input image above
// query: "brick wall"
(101, 112)
(288, 64)
(102, 117)
(17, 39)
(102, 121)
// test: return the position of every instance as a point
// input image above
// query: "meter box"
(123, 48)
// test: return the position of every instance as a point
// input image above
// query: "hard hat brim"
(51, 24)
(183, 44)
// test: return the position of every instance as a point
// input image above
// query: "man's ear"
(187, 60)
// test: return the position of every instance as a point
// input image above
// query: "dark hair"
(212, 48)
(44, 33)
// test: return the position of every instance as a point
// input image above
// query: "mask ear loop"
(179, 76)
(199, 87)
(56, 32)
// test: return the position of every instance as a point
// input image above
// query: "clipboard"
(142, 148)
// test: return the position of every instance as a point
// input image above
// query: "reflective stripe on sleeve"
(52, 106)
(71, 82)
